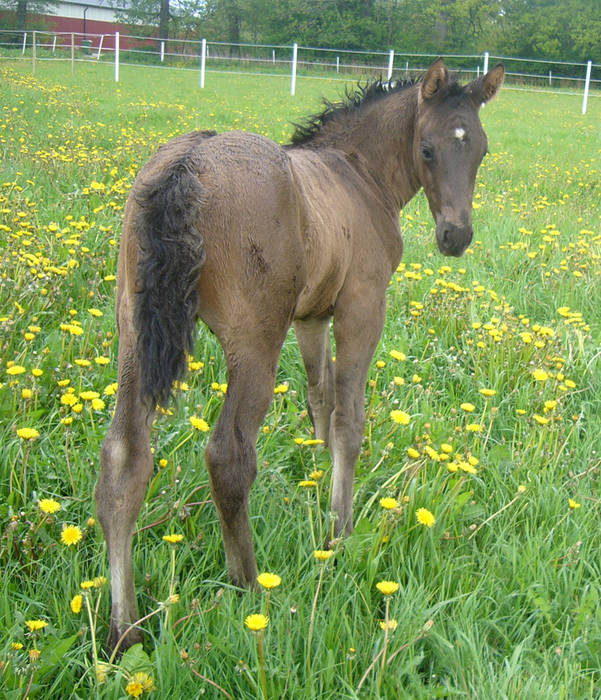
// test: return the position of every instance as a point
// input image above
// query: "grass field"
(495, 357)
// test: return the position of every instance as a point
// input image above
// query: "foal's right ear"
(435, 80)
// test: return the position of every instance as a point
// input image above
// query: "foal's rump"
(215, 224)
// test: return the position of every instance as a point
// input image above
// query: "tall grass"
(498, 597)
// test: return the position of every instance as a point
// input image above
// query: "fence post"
(72, 53)
(337, 64)
(390, 64)
(293, 77)
(24, 43)
(485, 69)
(162, 51)
(53, 44)
(99, 47)
(33, 54)
(587, 84)
(116, 57)
(203, 61)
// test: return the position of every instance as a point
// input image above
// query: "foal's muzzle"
(453, 239)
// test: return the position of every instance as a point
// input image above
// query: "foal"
(251, 238)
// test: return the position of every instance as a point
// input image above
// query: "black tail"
(171, 253)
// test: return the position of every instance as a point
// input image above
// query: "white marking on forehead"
(459, 133)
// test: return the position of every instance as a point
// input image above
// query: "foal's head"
(449, 145)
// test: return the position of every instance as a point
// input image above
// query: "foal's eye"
(427, 152)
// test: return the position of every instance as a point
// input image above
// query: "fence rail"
(292, 62)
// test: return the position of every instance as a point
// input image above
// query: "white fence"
(290, 62)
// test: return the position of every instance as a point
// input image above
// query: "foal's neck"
(382, 136)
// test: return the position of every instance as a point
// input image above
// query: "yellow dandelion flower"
(281, 389)
(199, 424)
(412, 452)
(89, 395)
(163, 463)
(77, 408)
(70, 535)
(487, 392)
(425, 517)
(323, 554)
(86, 585)
(98, 404)
(16, 369)
(26, 393)
(389, 503)
(134, 688)
(80, 362)
(541, 420)
(398, 381)
(387, 587)
(400, 417)
(173, 539)
(76, 603)
(573, 504)
(316, 474)
(37, 372)
(467, 467)
(467, 407)
(69, 399)
(102, 360)
(539, 375)
(396, 355)
(27, 433)
(35, 625)
(307, 483)
(392, 624)
(312, 442)
(256, 622)
(34, 655)
(16, 646)
(49, 505)
(474, 427)
(380, 364)
(95, 312)
(269, 581)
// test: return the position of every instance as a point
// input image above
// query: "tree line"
(568, 30)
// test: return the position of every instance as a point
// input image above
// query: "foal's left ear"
(485, 88)
(435, 80)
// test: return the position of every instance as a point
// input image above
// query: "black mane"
(354, 99)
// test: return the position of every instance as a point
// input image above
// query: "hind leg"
(126, 467)
(231, 452)
(314, 342)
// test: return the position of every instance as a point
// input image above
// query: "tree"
(24, 9)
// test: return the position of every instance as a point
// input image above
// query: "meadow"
(477, 489)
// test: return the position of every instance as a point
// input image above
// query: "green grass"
(500, 598)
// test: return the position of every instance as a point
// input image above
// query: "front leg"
(358, 323)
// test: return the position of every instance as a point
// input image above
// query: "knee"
(348, 428)
(126, 467)
(232, 466)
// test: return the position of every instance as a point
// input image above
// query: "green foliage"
(547, 29)
(498, 597)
